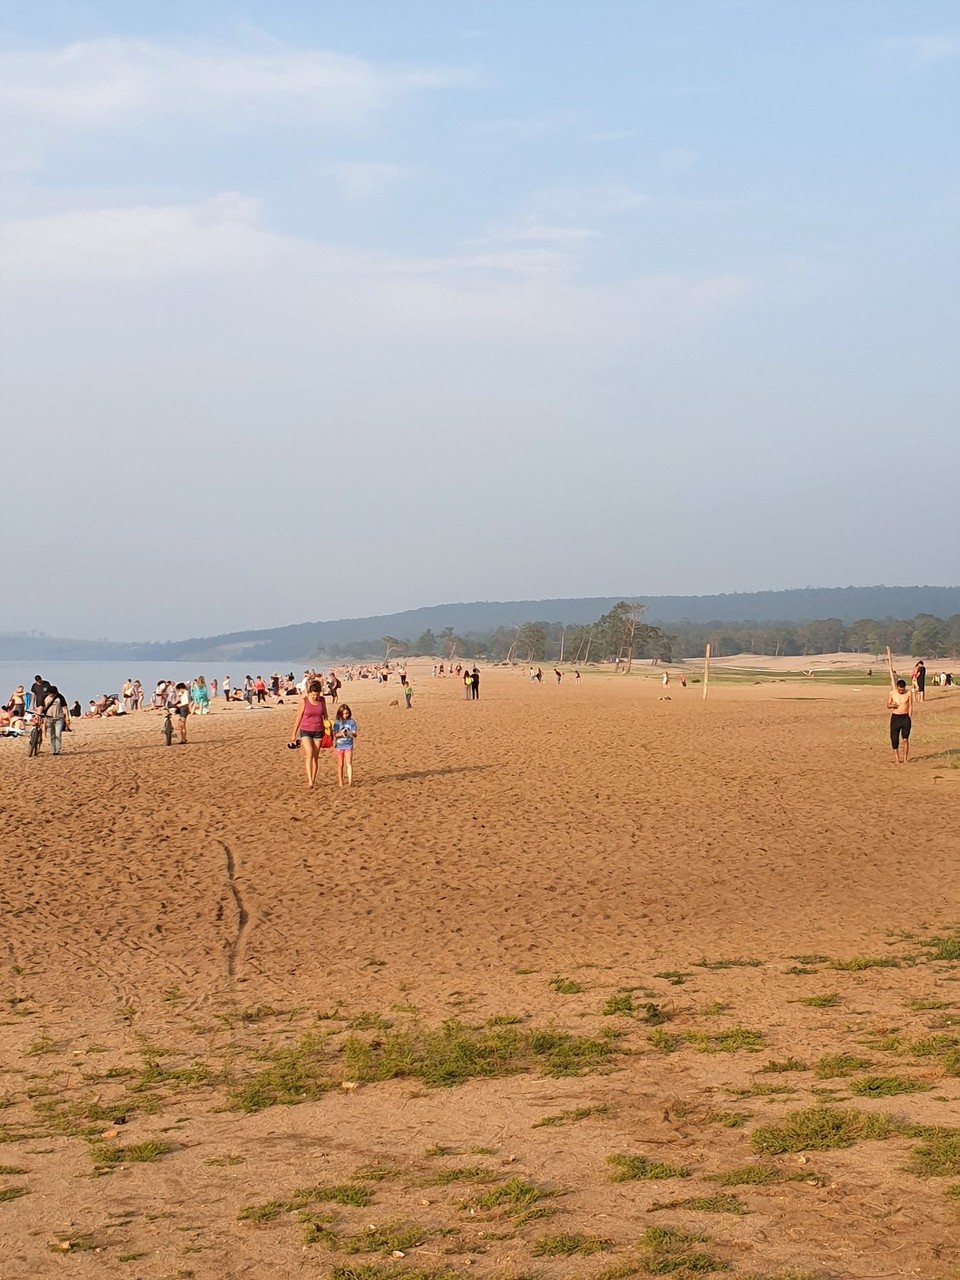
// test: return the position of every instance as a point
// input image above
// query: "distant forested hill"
(309, 639)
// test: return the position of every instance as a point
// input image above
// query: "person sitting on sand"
(344, 735)
(17, 706)
(900, 702)
(310, 728)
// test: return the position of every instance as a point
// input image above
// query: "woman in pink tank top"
(309, 729)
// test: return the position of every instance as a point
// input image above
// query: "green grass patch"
(729, 1119)
(729, 964)
(382, 1271)
(664, 1041)
(464, 1173)
(811, 959)
(620, 1004)
(886, 1086)
(833, 1066)
(753, 1175)
(108, 1157)
(568, 1246)
(933, 1046)
(780, 1067)
(667, 1251)
(944, 948)
(642, 1169)
(926, 1006)
(369, 1022)
(676, 977)
(821, 1129)
(829, 1001)
(447, 1055)
(392, 1237)
(12, 1193)
(571, 1116)
(11, 1170)
(565, 986)
(938, 1155)
(730, 1040)
(856, 964)
(517, 1199)
(704, 1204)
(344, 1193)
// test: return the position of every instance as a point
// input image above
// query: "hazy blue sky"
(320, 309)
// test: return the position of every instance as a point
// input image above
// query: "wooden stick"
(706, 672)
(893, 677)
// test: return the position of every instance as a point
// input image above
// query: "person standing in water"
(311, 725)
(344, 736)
(900, 703)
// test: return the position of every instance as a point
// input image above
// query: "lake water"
(86, 680)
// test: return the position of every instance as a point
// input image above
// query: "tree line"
(622, 636)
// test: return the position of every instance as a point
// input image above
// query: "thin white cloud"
(614, 135)
(123, 85)
(140, 243)
(540, 233)
(585, 203)
(525, 292)
(528, 128)
(360, 180)
(922, 50)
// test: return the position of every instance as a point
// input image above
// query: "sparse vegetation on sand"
(822, 1129)
(643, 1169)
(668, 1251)
(444, 1056)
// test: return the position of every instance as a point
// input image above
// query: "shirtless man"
(900, 702)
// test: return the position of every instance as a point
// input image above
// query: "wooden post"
(893, 678)
(706, 672)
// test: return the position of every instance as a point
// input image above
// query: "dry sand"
(170, 909)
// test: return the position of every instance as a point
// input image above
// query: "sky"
(329, 309)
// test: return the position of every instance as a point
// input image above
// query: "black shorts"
(899, 728)
(183, 712)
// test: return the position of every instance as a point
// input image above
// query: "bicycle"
(167, 729)
(36, 737)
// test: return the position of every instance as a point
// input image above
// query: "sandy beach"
(613, 858)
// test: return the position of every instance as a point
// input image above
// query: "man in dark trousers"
(474, 684)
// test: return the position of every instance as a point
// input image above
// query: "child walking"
(344, 734)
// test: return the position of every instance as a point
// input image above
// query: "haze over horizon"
(334, 311)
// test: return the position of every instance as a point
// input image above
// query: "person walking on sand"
(475, 684)
(201, 697)
(558, 673)
(407, 693)
(919, 675)
(344, 736)
(467, 684)
(226, 688)
(310, 728)
(900, 702)
(55, 716)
